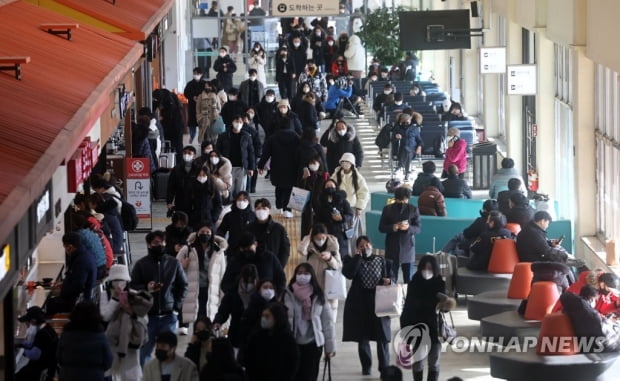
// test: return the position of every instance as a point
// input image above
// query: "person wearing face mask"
(235, 303)
(225, 68)
(162, 276)
(317, 45)
(333, 210)
(406, 140)
(266, 112)
(208, 108)
(199, 345)
(355, 55)
(206, 201)
(393, 109)
(80, 276)
(251, 90)
(381, 100)
(608, 300)
(192, 90)
(167, 366)
(220, 171)
(360, 323)
(341, 139)
(271, 235)
(315, 78)
(400, 222)
(39, 347)
(125, 313)
(252, 128)
(340, 89)
(237, 145)
(177, 233)
(204, 263)
(284, 73)
(425, 297)
(234, 107)
(312, 178)
(221, 362)
(249, 252)
(257, 60)
(237, 220)
(206, 147)
(272, 351)
(307, 111)
(456, 153)
(330, 50)
(312, 321)
(298, 46)
(480, 249)
(285, 118)
(350, 180)
(322, 251)
(182, 176)
(250, 322)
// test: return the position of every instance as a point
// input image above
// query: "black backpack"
(383, 138)
(129, 216)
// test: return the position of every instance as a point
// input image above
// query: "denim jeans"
(408, 270)
(157, 324)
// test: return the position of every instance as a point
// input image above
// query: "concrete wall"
(602, 16)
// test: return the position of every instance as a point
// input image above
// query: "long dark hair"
(85, 317)
(280, 316)
(354, 178)
(316, 288)
(429, 259)
(221, 359)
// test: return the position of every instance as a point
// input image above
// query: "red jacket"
(109, 254)
(457, 155)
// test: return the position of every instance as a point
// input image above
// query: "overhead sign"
(521, 79)
(138, 185)
(304, 7)
(492, 60)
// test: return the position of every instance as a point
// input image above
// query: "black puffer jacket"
(337, 145)
(248, 157)
(266, 113)
(180, 187)
(453, 187)
(266, 263)
(283, 150)
(480, 250)
(423, 180)
(272, 236)
(235, 222)
(533, 246)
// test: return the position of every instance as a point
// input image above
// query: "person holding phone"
(456, 153)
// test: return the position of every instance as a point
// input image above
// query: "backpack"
(383, 138)
(129, 216)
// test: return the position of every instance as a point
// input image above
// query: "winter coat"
(421, 302)
(453, 187)
(80, 277)
(586, 320)
(175, 236)
(355, 54)
(266, 113)
(257, 61)
(431, 202)
(235, 222)
(533, 246)
(317, 83)
(308, 150)
(359, 322)
(423, 180)
(315, 184)
(290, 121)
(499, 182)
(457, 155)
(166, 270)
(503, 199)
(206, 204)
(248, 158)
(281, 66)
(268, 266)
(272, 236)
(182, 370)
(208, 108)
(556, 272)
(180, 187)
(410, 138)
(317, 45)
(357, 197)
(321, 318)
(400, 244)
(323, 215)
(193, 89)
(231, 109)
(298, 57)
(221, 175)
(92, 244)
(140, 146)
(337, 145)
(339, 70)
(256, 140)
(480, 250)
(244, 91)
(476, 228)
(232, 306)
(83, 355)
(308, 116)
(225, 67)
(97, 228)
(521, 214)
(282, 148)
(272, 355)
(312, 254)
(333, 97)
(125, 331)
(214, 266)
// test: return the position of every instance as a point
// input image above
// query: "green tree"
(380, 34)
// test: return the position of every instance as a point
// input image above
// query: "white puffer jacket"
(355, 54)
(322, 320)
(359, 199)
(216, 269)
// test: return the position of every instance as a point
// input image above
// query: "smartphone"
(561, 239)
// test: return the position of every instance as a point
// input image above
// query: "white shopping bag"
(389, 300)
(335, 285)
(299, 198)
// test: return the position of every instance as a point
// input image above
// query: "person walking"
(167, 365)
(342, 139)
(333, 210)
(192, 90)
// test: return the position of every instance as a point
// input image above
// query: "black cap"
(32, 313)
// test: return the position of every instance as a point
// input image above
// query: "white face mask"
(296, 44)
(262, 214)
(342, 132)
(222, 54)
(320, 242)
(119, 284)
(208, 150)
(266, 323)
(202, 179)
(257, 48)
(242, 204)
(345, 165)
(283, 110)
(188, 158)
(237, 126)
(313, 167)
(215, 160)
(398, 103)
(253, 78)
(330, 43)
(197, 77)
(267, 293)
(367, 252)
(317, 33)
(303, 279)
(386, 92)
(270, 99)
(427, 274)
(251, 116)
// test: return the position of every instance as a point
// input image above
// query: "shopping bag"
(446, 330)
(299, 198)
(389, 300)
(335, 285)
(217, 126)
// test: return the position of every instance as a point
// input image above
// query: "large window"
(607, 120)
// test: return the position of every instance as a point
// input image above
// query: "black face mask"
(161, 354)
(204, 238)
(156, 251)
(330, 191)
(203, 335)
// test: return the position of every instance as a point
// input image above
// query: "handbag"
(299, 198)
(327, 369)
(335, 285)
(217, 126)
(445, 330)
(389, 300)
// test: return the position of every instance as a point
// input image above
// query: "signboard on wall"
(492, 60)
(288, 8)
(521, 79)
(138, 185)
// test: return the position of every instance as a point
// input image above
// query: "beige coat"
(216, 269)
(312, 256)
(359, 199)
(208, 108)
(182, 370)
(222, 177)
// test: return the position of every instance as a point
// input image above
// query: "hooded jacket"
(337, 145)
(423, 180)
(431, 202)
(355, 54)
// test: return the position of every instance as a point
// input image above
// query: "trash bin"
(484, 163)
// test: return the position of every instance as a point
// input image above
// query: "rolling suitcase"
(167, 159)
(160, 184)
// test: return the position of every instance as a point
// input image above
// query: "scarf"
(303, 294)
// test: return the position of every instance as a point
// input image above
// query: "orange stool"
(513, 227)
(504, 257)
(556, 336)
(521, 281)
(541, 300)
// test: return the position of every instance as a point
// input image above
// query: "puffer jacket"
(355, 54)
(323, 325)
(311, 254)
(337, 145)
(359, 198)
(422, 181)
(432, 203)
(215, 272)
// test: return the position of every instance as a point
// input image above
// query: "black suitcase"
(160, 184)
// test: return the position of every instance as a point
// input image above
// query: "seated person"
(454, 113)
(432, 203)
(418, 94)
(533, 245)
(459, 244)
(499, 182)
(340, 89)
(587, 322)
(586, 277)
(555, 272)
(503, 197)
(455, 187)
(480, 250)
(608, 299)
(392, 109)
(427, 177)
(520, 210)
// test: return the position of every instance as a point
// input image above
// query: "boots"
(432, 376)
(418, 376)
